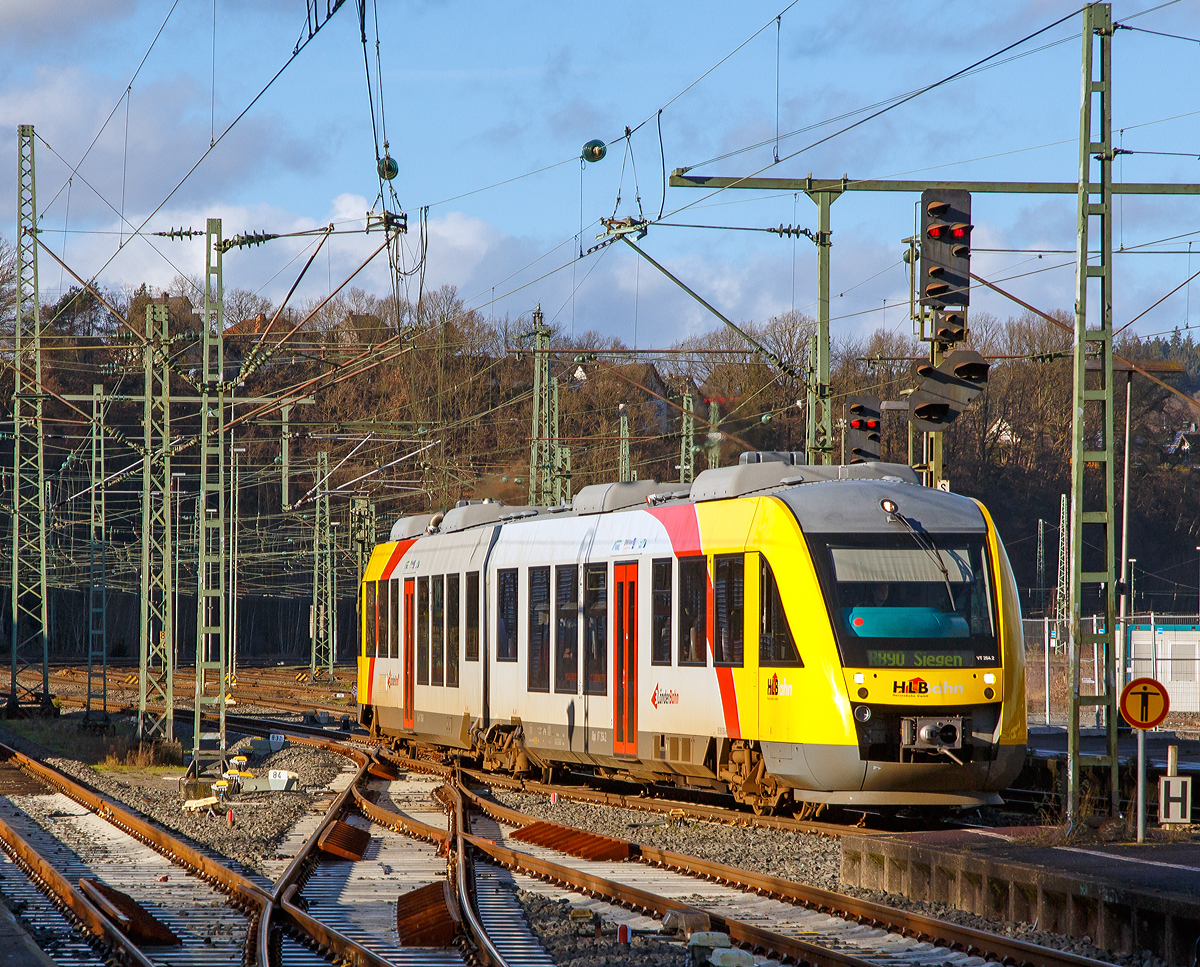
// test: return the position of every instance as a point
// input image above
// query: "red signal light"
(937, 230)
(958, 231)
(856, 424)
(872, 424)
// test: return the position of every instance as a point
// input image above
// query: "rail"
(974, 942)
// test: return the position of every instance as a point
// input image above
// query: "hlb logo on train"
(777, 686)
(918, 686)
(663, 696)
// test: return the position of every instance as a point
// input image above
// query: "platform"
(1050, 742)
(1125, 897)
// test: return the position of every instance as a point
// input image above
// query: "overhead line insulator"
(245, 240)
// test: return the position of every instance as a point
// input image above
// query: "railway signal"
(864, 423)
(945, 391)
(946, 259)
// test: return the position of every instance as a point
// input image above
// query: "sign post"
(1144, 704)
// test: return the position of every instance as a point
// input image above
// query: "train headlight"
(989, 679)
(863, 713)
(889, 506)
(859, 678)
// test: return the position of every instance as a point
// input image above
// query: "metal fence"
(1165, 647)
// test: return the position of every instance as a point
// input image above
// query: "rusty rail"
(254, 902)
(765, 941)
(244, 895)
(463, 878)
(70, 900)
(939, 932)
(691, 810)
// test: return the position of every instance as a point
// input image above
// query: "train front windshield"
(899, 602)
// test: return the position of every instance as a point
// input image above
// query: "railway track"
(57, 832)
(320, 909)
(821, 927)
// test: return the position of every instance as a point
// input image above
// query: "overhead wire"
(301, 44)
(883, 110)
(894, 100)
(74, 169)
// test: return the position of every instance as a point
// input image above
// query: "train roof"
(820, 507)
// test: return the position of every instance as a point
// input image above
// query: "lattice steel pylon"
(624, 471)
(97, 690)
(323, 603)
(541, 466)
(1062, 594)
(687, 440)
(714, 435)
(560, 456)
(362, 533)
(211, 636)
(156, 661)
(819, 422)
(1092, 412)
(29, 627)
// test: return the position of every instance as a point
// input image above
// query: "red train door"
(409, 626)
(625, 659)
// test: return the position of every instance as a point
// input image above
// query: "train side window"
(693, 611)
(595, 629)
(437, 630)
(472, 642)
(728, 609)
(539, 629)
(381, 607)
(566, 642)
(776, 646)
(660, 628)
(394, 622)
(369, 589)
(422, 631)
(452, 612)
(506, 608)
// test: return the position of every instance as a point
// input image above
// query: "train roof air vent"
(601, 498)
(408, 527)
(745, 478)
(460, 518)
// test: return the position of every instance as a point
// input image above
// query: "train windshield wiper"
(930, 548)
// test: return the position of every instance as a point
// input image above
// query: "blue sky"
(478, 93)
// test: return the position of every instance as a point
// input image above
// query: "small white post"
(1046, 635)
(1141, 786)
(1153, 649)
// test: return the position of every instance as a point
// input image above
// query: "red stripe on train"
(683, 529)
(398, 553)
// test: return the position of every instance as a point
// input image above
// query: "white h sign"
(1174, 799)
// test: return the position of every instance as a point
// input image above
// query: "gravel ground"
(574, 944)
(807, 858)
(260, 822)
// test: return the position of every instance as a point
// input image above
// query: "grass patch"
(127, 754)
(118, 748)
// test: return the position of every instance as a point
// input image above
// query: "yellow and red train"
(834, 635)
